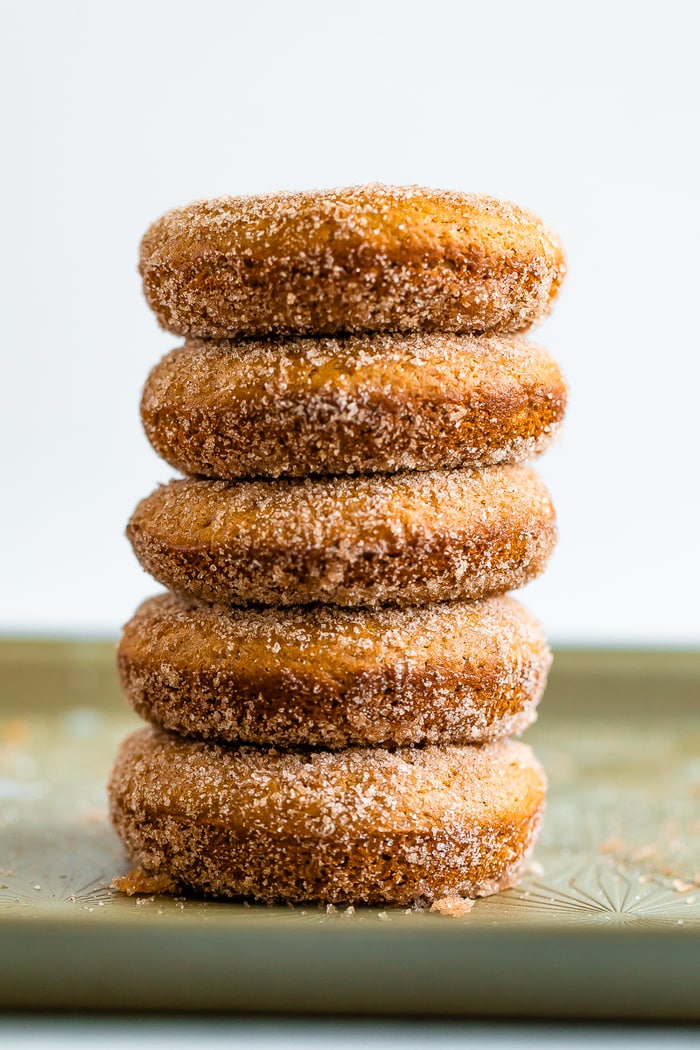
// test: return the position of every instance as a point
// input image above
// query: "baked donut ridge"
(402, 539)
(452, 673)
(357, 404)
(398, 827)
(364, 258)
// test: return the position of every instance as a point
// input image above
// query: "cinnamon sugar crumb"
(612, 845)
(454, 907)
(15, 732)
(646, 852)
(140, 882)
(680, 886)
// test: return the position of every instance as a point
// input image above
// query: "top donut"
(363, 259)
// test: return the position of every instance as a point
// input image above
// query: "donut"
(363, 824)
(354, 404)
(361, 259)
(403, 539)
(453, 673)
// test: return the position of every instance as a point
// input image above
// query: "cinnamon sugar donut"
(404, 826)
(452, 673)
(354, 404)
(361, 259)
(403, 539)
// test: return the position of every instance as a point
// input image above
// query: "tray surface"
(605, 923)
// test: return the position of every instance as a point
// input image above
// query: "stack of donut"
(335, 670)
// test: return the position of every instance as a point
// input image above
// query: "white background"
(145, 1033)
(587, 113)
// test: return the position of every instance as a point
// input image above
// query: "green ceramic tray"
(606, 924)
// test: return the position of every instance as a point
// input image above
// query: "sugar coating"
(404, 539)
(355, 825)
(364, 258)
(372, 403)
(447, 673)
(392, 824)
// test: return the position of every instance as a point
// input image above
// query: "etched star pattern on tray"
(620, 843)
(594, 890)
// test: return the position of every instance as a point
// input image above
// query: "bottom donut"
(407, 826)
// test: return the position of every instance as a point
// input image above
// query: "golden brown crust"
(362, 404)
(361, 259)
(348, 826)
(404, 539)
(324, 677)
